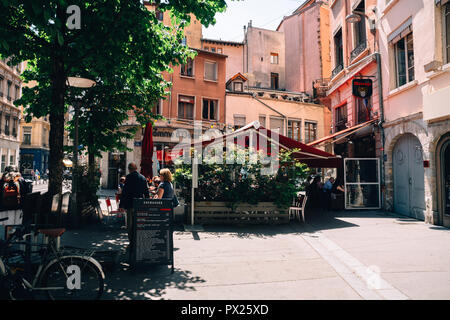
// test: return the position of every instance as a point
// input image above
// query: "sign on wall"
(362, 88)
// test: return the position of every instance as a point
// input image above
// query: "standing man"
(136, 186)
(327, 190)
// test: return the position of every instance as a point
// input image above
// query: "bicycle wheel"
(73, 278)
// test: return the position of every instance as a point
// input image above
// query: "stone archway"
(443, 179)
(393, 133)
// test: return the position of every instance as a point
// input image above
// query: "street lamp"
(77, 83)
(356, 16)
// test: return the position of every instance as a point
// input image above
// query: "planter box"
(215, 212)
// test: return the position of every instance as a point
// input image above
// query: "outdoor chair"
(113, 216)
(298, 207)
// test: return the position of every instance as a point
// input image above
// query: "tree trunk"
(56, 138)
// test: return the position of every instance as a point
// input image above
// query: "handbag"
(175, 201)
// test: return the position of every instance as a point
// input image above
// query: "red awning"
(313, 157)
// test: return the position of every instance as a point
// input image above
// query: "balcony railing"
(358, 50)
(340, 125)
(336, 70)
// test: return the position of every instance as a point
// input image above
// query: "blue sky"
(263, 13)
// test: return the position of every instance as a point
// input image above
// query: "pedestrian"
(327, 188)
(32, 175)
(165, 190)
(135, 186)
(120, 187)
(37, 176)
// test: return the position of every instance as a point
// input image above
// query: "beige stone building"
(286, 111)
(10, 90)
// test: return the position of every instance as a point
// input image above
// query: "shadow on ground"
(145, 282)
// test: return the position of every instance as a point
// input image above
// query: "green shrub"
(243, 182)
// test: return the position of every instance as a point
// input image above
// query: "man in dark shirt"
(136, 186)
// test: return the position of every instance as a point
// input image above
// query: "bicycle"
(60, 274)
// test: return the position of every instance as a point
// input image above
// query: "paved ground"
(348, 255)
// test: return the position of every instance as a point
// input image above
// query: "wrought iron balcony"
(340, 125)
(358, 50)
(336, 70)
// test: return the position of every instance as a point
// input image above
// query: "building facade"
(307, 37)
(10, 90)
(415, 48)
(233, 50)
(285, 111)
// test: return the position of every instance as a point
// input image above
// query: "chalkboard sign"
(152, 232)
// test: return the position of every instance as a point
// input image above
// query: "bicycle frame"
(45, 264)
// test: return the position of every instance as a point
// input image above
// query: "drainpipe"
(380, 123)
(285, 118)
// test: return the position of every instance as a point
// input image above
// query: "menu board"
(153, 235)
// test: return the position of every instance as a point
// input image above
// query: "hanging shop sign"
(362, 88)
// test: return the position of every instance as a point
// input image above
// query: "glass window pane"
(205, 109)
(360, 171)
(212, 107)
(410, 49)
(363, 196)
(401, 63)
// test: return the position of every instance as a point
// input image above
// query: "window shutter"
(210, 71)
(401, 31)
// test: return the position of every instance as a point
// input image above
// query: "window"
(186, 107)
(3, 162)
(447, 32)
(274, 81)
(363, 110)
(238, 86)
(219, 50)
(1, 86)
(341, 118)
(310, 131)
(7, 118)
(187, 69)
(26, 135)
(209, 111)
(8, 96)
(44, 137)
(213, 49)
(404, 60)
(274, 58)
(294, 129)
(359, 31)
(17, 93)
(277, 124)
(11, 160)
(158, 107)
(210, 71)
(262, 120)
(206, 48)
(184, 41)
(239, 121)
(338, 53)
(14, 128)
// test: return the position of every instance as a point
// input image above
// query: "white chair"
(298, 206)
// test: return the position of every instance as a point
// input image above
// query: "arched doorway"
(443, 179)
(408, 172)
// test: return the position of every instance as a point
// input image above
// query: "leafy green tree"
(117, 39)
